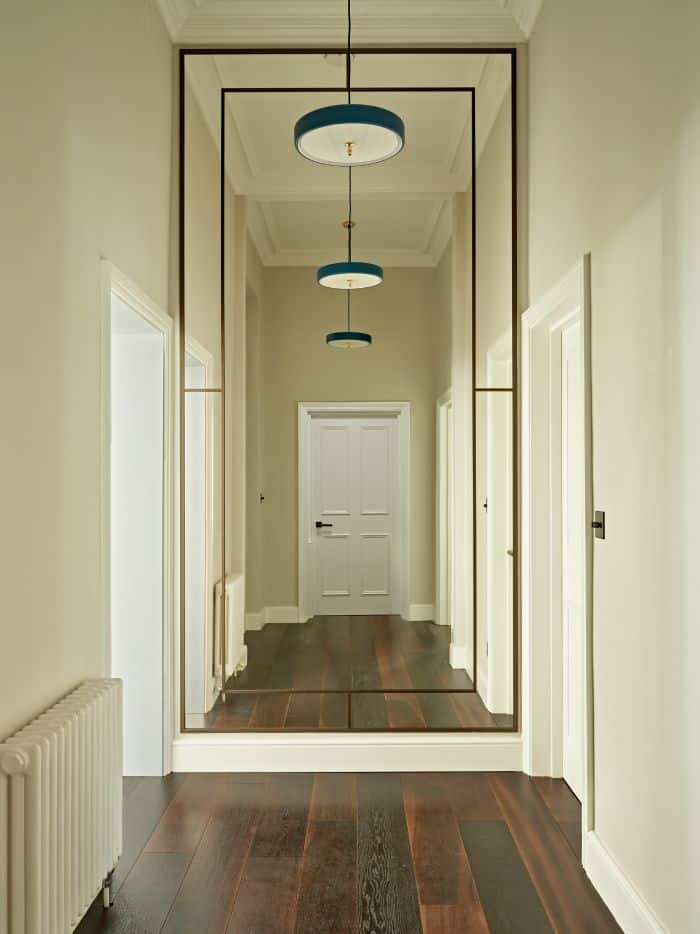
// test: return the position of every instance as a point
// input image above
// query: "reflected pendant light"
(349, 274)
(349, 339)
(349, 134)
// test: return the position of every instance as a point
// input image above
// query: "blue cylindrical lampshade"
(349, 275)
(349, 134)
(348, 340)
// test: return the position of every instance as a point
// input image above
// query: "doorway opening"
(137, 420)
(557, 557)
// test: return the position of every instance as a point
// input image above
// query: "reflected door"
(354, 481)
(573, 509)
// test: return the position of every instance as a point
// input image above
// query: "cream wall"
(442, 324)
(86, 95)
(299, 367)
(615, 169)
(255, 395)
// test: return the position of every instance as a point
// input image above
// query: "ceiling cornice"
(319, 22)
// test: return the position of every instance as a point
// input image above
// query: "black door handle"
(323, 525)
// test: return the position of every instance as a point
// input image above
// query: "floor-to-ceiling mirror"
(323, 507)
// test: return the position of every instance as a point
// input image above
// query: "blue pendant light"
(349, 134)
(349, 274)
(349, 339)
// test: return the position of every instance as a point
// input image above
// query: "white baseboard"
(254, 621)
(458, 656)
(343, 752)
(626, 904)
(271, 614)
(421, 612)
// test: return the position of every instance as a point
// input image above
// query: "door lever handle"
(323, 525)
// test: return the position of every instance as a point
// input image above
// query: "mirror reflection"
(328, 554)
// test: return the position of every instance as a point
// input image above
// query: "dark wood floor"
(384, 654)
(439, 853)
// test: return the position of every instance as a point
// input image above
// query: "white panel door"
(573, 509)
(354, 481)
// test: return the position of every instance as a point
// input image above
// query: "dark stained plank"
(403, 712)
(281, 830)
(334, 797)
(328, 890)
(270, 711)
(566, 893)
(564, 807)
(266, 900)
(129, 784)
(472, 711)
(438, 712)
(143, 902)
(304, 712)
(466, 916)
(235, 713)
(435, 840)
(205, 900)
(471, 796)
(334, 711)
(508, 897)
(181, 827)
(142, 810)
(391, 663)
(387, 897)
(369, 712)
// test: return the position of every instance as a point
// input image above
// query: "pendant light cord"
(348, 294)
(348, 58)
(349, 214)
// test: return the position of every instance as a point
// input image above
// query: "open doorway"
(137, 419)
(557, 566)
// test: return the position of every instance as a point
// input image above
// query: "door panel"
(354, 480)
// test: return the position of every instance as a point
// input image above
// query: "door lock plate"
(599, 523)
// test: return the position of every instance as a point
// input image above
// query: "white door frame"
(115, 282)
(541, 558)
(211, 574)
(444, 531)
(308, 410)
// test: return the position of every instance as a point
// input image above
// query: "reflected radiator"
(60, 810)
(234, 614)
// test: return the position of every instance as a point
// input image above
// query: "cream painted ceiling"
(401, 207)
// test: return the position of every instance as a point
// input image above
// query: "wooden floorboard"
(423, 853)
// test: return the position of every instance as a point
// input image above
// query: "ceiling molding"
(175, 14)
(316, 22)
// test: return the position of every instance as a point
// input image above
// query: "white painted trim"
(402, 412)
(567, 301)
(443, 519)
(617, 891)
(458, 657)
(421, 612)
(282, 614)
(254, 621)
(343, 752)
(113, 281)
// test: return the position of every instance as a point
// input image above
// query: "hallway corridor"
(439, 853)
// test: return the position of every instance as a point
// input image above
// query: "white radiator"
(61, 811)
(234, 614)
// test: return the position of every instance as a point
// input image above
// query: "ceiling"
(315, 22)
(401, 207)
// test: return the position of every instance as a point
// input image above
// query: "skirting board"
(271, 614)
(343, 752)
(626, 904)
(417, 612)
(458, 656)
